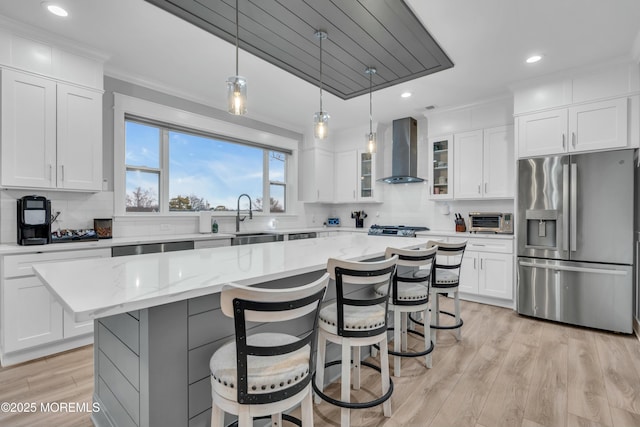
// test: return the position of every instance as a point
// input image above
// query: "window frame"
(173, 119)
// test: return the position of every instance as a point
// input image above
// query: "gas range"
(395, 230)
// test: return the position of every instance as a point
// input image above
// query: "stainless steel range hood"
(404, 152)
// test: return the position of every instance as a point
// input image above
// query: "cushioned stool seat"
(265, 374)
(411, 292)
(446, 278)
(355, 318)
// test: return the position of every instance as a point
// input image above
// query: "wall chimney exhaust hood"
(404, 152)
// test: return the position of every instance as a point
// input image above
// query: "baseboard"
(636, 328)
(20, 356)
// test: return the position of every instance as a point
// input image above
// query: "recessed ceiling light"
(406, 94)
(55, 9)
(534, 58)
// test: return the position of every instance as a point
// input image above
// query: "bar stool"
(410, 294)
(355, 319)
(263, 374)
(446, 280)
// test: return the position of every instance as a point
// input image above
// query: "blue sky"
(214, 170)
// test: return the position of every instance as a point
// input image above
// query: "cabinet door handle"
(481, 264)
(485, 187)
(474, 263)
(573, 139)
(430, 190)
(478, 188)
(62, 173)
(563, 141)
(50, 172)
(354, 194)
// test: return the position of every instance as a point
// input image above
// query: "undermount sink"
(251, 238)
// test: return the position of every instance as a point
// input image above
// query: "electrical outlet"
(313, 219)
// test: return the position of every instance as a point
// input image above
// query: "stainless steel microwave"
(491, 222)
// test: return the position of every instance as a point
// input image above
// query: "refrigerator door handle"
(576, 269)
(574, 207)
(565, 207)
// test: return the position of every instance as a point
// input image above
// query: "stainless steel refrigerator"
(575, 222)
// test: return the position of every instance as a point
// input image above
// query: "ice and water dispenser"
(542, 228)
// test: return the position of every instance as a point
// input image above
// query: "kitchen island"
(158, 319)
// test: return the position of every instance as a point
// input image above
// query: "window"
(169, 169)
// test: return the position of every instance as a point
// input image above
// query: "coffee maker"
(34, 220)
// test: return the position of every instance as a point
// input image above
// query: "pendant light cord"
(370, 101)
(321, 37)
(237, 25)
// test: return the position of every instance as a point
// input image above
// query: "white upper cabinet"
(346, 172)
(598, 126)
(467, 165)
(586, 127)
(316, 173)
(51, 134)
(592, 109)
(498, 162)
(79, 138)
(28, 123)
(542, 133)
(484, 164)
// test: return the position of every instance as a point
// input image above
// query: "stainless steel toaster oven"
(491, 222)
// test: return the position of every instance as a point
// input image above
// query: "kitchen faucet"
(238, 219)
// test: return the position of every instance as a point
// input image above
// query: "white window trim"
(124, 105)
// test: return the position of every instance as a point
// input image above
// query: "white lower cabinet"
(487, 267)
(31, 316)
(487, 274)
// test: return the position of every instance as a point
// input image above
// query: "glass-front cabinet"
(440, 176)
(366, 178)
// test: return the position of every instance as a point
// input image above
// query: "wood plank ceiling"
(384, 34)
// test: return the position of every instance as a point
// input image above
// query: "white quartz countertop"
(103, 287)
(466, 234)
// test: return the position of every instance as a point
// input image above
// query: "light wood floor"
(508, 370)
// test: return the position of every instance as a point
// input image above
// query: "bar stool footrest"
(456, 326)
(286, 417)
(411, 354)
(352, 405)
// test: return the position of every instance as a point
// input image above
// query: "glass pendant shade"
(321, 125)
(237, 85)
(371, 142)
(237, 95)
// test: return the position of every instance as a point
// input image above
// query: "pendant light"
(237, 85)
(321, 118)
(371, 137)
